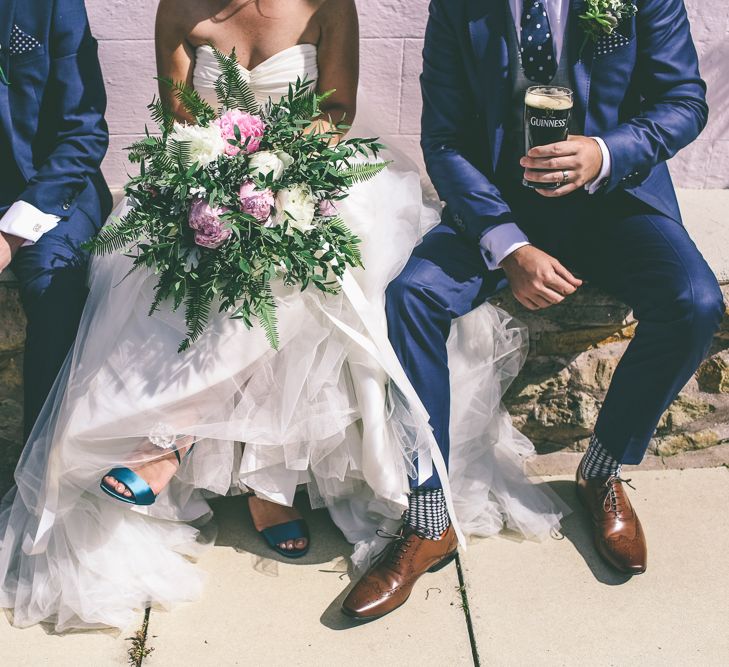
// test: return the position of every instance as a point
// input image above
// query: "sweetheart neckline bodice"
(269, 80)
(270, 59)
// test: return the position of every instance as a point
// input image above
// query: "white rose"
(296, 205)
(206, 144)
(269, 162)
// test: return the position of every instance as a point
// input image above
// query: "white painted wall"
(392, 33)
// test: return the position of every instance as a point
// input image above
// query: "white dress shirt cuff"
(499, 242)
(26, 221)
(593, 186)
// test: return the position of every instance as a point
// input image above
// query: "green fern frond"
(161, 162)
(180, 152)
(359, 173)
(144, 148)
(191, 100)
(161, 115)
(116, 236)
(351, 242)
(197, 315)
(231, 88)
(265, 309)
(156, 301)
(305, 105)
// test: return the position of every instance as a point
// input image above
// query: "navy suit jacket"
(52, 112)
(645, 99)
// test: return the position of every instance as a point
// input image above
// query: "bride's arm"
(338, 50)
(175, 56)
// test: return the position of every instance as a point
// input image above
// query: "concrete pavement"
(550, 603)
(556, 603)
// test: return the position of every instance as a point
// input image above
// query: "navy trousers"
(52, 274)
(616, 242)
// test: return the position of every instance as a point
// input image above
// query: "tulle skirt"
(331, 409)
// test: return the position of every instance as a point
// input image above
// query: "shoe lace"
(611, 502)
(395, 551)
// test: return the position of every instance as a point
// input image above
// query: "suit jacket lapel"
(488, 40)
(580, 58)
(7, 17)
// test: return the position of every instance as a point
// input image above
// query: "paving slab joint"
(467, 611)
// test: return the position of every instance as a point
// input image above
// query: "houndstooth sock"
(598, 462)
(428, 513)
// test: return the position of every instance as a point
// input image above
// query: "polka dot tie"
(21, 42)
(537, 48)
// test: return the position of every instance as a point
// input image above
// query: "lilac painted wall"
(391, 43)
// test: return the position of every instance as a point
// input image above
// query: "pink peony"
(327, 208)
(257, 203)
(251, 128)
(210, 230)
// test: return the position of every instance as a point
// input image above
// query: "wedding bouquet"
(244, 196)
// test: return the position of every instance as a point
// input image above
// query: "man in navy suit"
(52, 195)
(613, 220)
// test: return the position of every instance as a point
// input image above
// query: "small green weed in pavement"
(139, 650)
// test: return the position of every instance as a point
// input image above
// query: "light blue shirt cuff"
(499, 242)
(27, 222)
(593, 186)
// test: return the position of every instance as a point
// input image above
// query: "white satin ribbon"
(379, 347)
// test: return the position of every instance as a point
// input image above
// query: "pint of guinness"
(546, 121)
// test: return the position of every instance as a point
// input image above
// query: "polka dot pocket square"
(22, 43)
(608, 44)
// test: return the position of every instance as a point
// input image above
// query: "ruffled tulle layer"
(330, 409)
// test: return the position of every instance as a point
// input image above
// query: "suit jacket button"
(66, 206)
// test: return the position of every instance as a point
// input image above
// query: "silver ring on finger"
(565, 177)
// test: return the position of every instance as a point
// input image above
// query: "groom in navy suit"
(613, 221)
(52, 194)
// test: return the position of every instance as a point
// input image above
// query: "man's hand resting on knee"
(9, 244)
(537, 279)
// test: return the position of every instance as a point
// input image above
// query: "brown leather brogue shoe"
(617, 532)
(388, 583)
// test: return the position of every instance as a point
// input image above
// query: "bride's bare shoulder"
(179, 17)
(336, 10)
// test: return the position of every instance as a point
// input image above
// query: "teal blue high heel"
(142, 493)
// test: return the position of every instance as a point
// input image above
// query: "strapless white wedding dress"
(331, 409)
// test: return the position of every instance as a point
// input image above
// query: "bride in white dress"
(331, 409)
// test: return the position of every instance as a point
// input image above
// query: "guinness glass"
(546, 121)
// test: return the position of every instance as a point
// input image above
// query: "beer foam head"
(548, 97)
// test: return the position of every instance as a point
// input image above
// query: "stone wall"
(12, 335)
(574, 349)
(392, 32)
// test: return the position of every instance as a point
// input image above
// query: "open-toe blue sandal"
(142, 493)
(283, 532)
